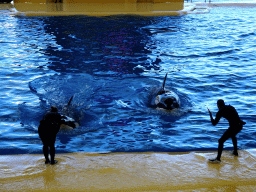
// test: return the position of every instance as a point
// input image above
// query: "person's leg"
(220, 149)
(45, 151)
(222, 140)
(52, 153)
(234, 140)
(230, 133)
(43, 136)
(52, 149)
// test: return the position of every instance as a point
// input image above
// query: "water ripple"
(111, 71)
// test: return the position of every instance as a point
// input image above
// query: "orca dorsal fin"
(70, 101)
(164, 81)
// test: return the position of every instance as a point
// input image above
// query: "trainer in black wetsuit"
(235, 126)
(47, 130)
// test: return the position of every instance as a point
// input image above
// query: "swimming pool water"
(112, 65)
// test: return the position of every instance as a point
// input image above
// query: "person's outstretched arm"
(216, 120)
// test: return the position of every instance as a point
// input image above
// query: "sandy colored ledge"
(173, 7)
(95, 8)
(129, 172)
(245, 4)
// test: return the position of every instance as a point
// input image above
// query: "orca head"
(165, 99)
(168, 100)
(69, 123)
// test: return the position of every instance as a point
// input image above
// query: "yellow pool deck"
(66, 8)
(98, 7)
(130, 172)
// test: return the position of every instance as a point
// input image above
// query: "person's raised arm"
(216, 120)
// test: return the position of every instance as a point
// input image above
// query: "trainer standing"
(235, 126)
(47, 130)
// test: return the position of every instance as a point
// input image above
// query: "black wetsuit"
(235, 126)
(47, 130)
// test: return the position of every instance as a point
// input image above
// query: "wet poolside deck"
(129, 172)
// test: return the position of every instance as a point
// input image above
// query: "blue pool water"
(112, 65)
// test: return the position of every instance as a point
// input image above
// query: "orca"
(70, 123)
(165, 99)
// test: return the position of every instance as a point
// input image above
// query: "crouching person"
(47, 130)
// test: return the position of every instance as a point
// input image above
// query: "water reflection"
(99, 45)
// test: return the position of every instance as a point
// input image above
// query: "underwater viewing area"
(111, 59)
